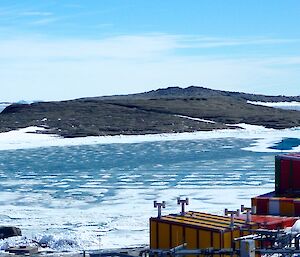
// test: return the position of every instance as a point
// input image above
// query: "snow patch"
(264, 138)
(273, 104)
(196, 119)
(282, 105)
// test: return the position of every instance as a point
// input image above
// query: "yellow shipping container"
(198, 230)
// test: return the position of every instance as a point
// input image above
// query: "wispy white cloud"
(15, 14)
(73, 5)
(44, 21)
(214, 42)
(36, 13)
(63, 69)
(120, 47)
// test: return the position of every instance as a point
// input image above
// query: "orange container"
(287, 207)
(261, 204)
(270, 204)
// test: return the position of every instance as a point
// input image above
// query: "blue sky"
(54, 50)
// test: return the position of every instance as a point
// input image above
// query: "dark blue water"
(286, 144)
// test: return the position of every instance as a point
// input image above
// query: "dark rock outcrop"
(7, 231)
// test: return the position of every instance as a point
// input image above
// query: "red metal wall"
(287, 175)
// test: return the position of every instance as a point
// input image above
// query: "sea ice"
(265, 138)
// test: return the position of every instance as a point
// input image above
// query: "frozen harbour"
(98, 192)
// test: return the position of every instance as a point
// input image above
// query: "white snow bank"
(283, 105)
(294, 103)
(264, 138)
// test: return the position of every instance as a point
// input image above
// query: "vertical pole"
(297, 243)
(231, 220)
(232, 213)
(248, 213)
(183, 203)
(159, 206)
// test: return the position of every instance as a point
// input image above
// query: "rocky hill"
(161, 111)
(192, 91)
